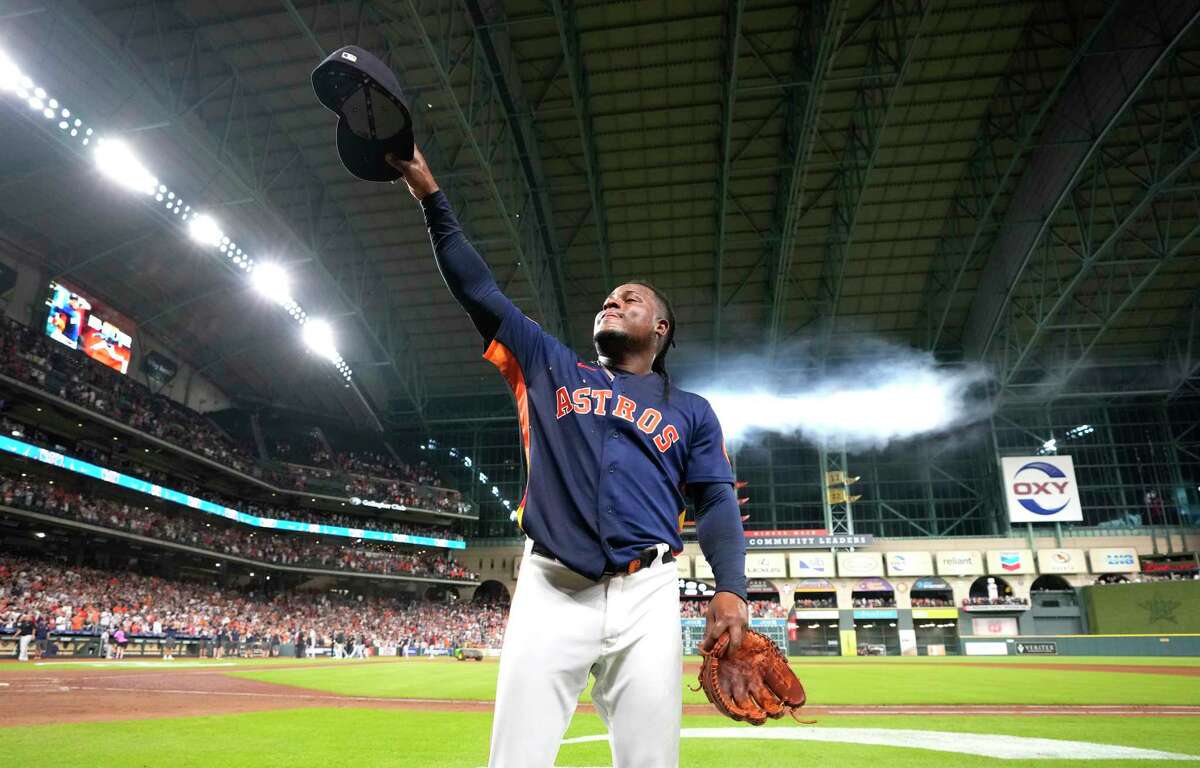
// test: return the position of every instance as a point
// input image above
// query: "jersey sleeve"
(519, 341)
(707, 461)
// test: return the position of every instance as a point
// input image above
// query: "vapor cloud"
(886, 393)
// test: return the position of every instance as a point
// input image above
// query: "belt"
(645, 559)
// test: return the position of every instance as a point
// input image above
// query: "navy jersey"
(607, 455)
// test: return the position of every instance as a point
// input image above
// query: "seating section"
(67, 599)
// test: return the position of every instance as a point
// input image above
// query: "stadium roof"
(1007, 181)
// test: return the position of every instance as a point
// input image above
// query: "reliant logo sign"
(1041, 489)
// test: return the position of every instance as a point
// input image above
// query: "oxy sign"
(1041, 489)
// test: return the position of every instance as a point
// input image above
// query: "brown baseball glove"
(752, 683)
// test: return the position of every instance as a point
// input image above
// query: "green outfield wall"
(1133, 609)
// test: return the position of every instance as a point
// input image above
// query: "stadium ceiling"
(1015, 182)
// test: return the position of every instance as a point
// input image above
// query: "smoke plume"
(884, 394)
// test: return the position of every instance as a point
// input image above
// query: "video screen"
(73, 321)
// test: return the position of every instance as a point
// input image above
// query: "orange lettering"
(564, 402)
(580, 398)
(624, 408)
(668, 437)
(649, 420)
(601, 397)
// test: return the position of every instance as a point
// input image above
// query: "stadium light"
(116, 160)
(205, 230)
(272, 281)
(318, 337)
(10, 76)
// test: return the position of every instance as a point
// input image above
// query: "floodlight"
(205, 230)
(10, 76)
(117, 161)
(318, 336)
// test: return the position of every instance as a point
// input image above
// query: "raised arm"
(466, 273)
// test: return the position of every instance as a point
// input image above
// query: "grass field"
(311, 734)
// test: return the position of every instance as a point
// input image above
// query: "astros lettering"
(587, 400)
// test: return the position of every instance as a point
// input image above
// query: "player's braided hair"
(659, 365)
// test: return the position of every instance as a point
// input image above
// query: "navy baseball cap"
(373, 118)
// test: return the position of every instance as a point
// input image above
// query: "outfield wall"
(1163, 606)
(1083, 645)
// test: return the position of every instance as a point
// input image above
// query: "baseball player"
(610, 447)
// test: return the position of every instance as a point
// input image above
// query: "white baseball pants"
(23, 647)
(561, 626)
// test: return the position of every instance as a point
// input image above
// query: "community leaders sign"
(1041, 489)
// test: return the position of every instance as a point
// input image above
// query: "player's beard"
(614, 343)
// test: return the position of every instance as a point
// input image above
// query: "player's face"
(629, 316)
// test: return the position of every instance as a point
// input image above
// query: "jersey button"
(614, 435)
(612, 468)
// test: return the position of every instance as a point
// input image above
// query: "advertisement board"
(959, 562)
(1003, 562)
(683, 566)
(702, 569)
(804, 539)
(1114, 560)
(763, 565)
(1061, 561)
(75, 321)
(807, 565)
(859, 564)
(995, 626)
(1041, 489)
(935, 613)
(909, 563)
(816, 613)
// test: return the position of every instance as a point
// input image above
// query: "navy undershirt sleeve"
(719, 528)
(466, 273)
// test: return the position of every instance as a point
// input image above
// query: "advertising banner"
(815, 585)
(873, 584)
(909, 563)
(804, 539)
(811, 564)
(1041, 489)
(959, 562)
(815, 613)
(1114, 560)
(1061, 561)
(859, 564)
(995, 626)
(702, 568)
(931, 584)
(683, 566)
(762, 565)
(935, 613)
(1010, 561)
(875, 613)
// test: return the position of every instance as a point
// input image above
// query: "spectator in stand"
(29, 356)
(25, 630)
(225, 537)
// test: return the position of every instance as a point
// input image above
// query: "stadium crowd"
(932, 602)
(823, 601)
(759, 609)
(66, 599)
(232, 539)
(31, 357)
(873, 602)
(1001, 600)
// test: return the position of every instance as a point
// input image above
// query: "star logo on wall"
(1160, 610)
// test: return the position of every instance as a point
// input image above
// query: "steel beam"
(1182, 353)
(485, 124)
(1103, 248)
(728, 80)
(1107, 85)
(1023, 98)
(898, 27)
(818, 29)
(581, 97)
